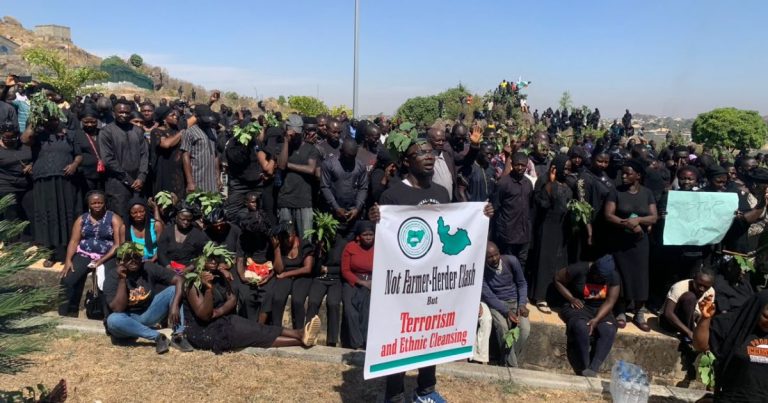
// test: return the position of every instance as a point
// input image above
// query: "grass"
(98, 371)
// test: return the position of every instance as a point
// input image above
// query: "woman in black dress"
(92, 169)
(15, 176)
(214, 325)
(293, 260)
(551, 198)
(165, 142)
(631, 211)
(55, 158)
(256, 251)
(181, 243)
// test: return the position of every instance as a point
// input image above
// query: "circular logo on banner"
(414, 237)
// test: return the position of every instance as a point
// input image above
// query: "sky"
(668, 58)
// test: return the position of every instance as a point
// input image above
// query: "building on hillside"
(7, 46)
(53, 32)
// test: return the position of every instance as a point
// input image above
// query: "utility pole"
(355, 110)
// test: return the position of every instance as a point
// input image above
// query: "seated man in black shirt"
(130, 293)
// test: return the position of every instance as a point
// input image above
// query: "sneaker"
(179, 342)
(162, 344)
(311, 331)
(433, 397)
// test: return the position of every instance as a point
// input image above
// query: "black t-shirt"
(169, 250)
(296, 191)
(12, 161)
(630, 205)
(592, 293)
(141, 284)
(305, 249)
(401, 194)
(747, 377)
(230, 240)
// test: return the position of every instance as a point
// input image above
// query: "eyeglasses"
(420, 153)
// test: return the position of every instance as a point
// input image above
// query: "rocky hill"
(13, 30)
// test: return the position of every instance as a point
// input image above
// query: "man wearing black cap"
(198, 146)
(125, 154)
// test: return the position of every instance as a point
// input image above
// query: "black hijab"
(729, 331)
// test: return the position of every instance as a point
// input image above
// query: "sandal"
(621, 321)
(311, 331)
(543, 308)
(48, 263)
(640, 322)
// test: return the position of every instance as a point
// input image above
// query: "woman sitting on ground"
(221, 231)
(95, 237)
(256, 255)
(293, 261)
(738, 341)
(214, 325)
(143, 228)
(180, 244)
(591, 290)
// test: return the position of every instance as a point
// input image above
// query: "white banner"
(427, 276)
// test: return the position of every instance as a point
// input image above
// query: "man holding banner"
(427, 278)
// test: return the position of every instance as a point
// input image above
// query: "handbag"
(100, 167)
(94, 301)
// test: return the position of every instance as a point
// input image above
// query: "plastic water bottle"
(629, 383)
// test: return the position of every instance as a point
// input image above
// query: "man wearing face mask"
(198, 145)
(125, 154)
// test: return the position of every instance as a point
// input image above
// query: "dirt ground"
(96, 370)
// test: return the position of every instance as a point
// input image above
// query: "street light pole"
(355, 110)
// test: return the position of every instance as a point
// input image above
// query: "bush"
(306, 105)
(730, 128)
(136, 60)
(50, 67)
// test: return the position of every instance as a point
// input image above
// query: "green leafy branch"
(244, 135)
(747, 264)
(210, 251)
(325, 226)
(581, 211)
(207, 201)
(41, 109)
(399, 139)
(164, 199)
(128, 249)
(511, 336)
(707, 369)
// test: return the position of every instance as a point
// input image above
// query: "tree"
(730, 128)
(20, 327)
(136, 60)
(336, 110)
(231, 96)
(422, 111)
(113, 60)
(52, 68)
(306, 105)
(566, 101)
(281, 100)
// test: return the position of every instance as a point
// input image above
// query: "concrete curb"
(518, 376)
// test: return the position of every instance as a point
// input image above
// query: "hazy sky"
(675, 58)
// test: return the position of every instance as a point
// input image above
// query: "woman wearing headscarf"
(631, 210)
(356, 268)
(552, 229)
(15, 179)
(92, 169)
(144, 227)
(55, 159)
(739, 341)
(590, 289)
(180, 244)
(165, 143)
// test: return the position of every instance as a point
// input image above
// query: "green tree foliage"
(730, 129)
(566, 101)
(113, 60)
(50, 67)
(419, 110)
(231, 96)
(336, 110)
(306, 105)
(136, 60)
(20, 325)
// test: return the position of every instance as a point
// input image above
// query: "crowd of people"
(89, 181)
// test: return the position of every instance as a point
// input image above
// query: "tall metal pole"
(355, 110)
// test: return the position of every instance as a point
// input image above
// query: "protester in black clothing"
(180, 244)
(631, 210)
(297, 162)
(250, 168)
(166, 162)
(327, 284)
(513, 201)
(15, 176)
(293, 262)
(732, 287)
(590, 289)
(221, 231)
(255, 251)
(92, 169)
(344, 184)
(737, 341)
(477, 178)
(329, 131)
(124, 151)
(626, 120)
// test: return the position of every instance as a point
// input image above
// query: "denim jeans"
(124, 325)
(302, 217)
